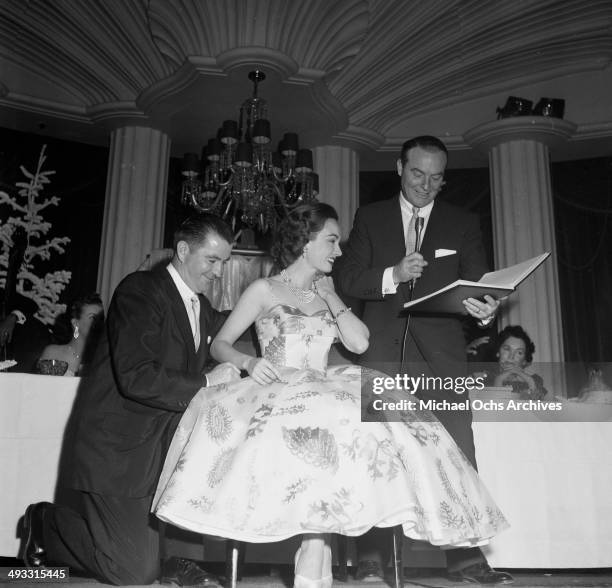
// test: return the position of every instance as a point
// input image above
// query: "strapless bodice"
(289, 337)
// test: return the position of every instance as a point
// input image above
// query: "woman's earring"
(75, 333)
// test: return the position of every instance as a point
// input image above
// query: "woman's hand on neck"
(302, 274)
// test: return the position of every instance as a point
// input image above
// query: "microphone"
(418, 229)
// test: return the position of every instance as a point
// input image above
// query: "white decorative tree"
(26, 208)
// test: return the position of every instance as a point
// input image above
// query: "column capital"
(547, 130)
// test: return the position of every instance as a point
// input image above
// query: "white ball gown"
(264, 463)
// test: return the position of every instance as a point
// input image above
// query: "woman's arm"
(250, 305)
(534, 383)
(352, 332)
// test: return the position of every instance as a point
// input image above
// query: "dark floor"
(280, 576)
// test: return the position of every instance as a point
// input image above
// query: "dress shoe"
(480, 574)
(184, 572)
(369, 571)
(34, 554)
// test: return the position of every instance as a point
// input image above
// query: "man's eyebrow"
(413, 169)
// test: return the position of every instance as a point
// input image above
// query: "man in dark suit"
(147, 368)
(384, 267)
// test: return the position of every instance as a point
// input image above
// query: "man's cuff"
(486, 322)
(388, 285)
(205, 380)
(21, 318)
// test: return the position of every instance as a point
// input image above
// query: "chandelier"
(241, 178)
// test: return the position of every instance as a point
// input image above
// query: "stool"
(234, 562)
(235, 552)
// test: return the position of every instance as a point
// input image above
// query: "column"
(523, 221)
(338, 169)
(135, 205)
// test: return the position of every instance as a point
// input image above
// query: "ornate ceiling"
(366, 73)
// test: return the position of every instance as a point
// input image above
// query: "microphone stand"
(418, 229)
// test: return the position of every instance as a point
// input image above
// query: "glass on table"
(51, 367)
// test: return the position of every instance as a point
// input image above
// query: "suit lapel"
(202, 355)
(391, 230)
(435, 234)
(179, 312)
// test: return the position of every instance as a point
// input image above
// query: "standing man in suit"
(145, 371)
(384, 267)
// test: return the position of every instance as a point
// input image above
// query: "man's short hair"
(427, 142)
(197, 227)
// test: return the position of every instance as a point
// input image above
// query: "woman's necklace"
(303, 296)
(76, 355)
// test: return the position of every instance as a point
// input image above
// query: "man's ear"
(182, 249)
(400, 167)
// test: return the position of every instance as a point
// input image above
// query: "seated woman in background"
(515, 351)
(66, 359)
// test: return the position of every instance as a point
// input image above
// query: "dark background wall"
(79, 181)
(583, 221)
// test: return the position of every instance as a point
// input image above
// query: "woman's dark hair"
(77, 305)
(196, 227)
(301, 225)
(62, 329)
(519, 333)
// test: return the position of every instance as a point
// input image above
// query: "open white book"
(497, 284)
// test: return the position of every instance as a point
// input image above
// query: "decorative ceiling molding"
(269, 60)
(316, 34)
(548, 130)
(575, 134)
(178, 81)
(200, 79)
(44, 107)
(593, 131)
(98, 51)
(359, 138)
(116, 114)
(453, 51)
(353, 72)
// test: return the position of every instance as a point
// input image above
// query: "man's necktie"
(411, 232)
(195, 308)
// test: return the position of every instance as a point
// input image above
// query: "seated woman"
(514, 354)
(284, 452)
(86, 315)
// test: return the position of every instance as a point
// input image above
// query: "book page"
(510, 277)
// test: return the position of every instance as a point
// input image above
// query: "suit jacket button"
(396, 341)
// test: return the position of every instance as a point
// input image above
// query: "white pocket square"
(444, 252)
(208, 340)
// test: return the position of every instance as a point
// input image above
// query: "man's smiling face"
(422, 175)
